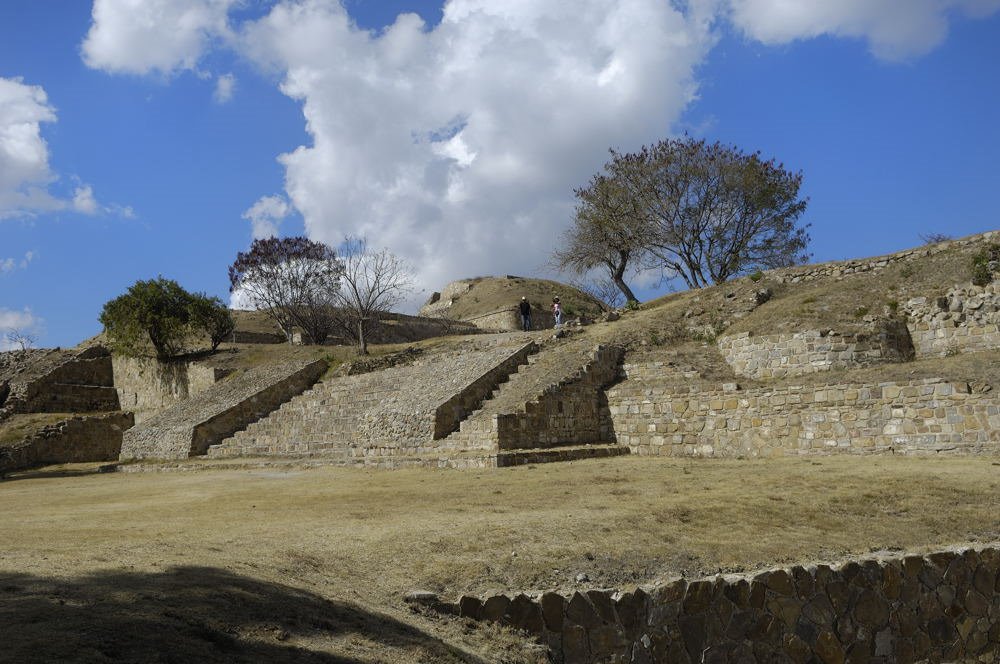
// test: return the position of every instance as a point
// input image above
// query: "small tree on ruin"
(295, 281)
(702, 212)
(373, 282)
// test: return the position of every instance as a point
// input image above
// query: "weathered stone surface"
(495, 608)
(715, 620)
(75, 440)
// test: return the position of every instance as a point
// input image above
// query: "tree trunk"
(618, 277)
(362, 342)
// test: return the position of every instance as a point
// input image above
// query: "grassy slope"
(259, 564)
(489, 294)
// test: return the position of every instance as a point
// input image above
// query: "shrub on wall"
(161, 313)
(985, 264)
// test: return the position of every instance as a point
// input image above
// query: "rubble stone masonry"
(75, 440)
(943, 606)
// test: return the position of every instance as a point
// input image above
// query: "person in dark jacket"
(525, 314)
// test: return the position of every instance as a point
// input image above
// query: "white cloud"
(24, 322)
(11, 264)
(83, 200)
(459, 147)
(266, 215)
(225, 86)
(142, 36)
(894, 29)
(24, 154)
(25, 175)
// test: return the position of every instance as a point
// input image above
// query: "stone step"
(552, 454)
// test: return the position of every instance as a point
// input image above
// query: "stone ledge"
(896, 608)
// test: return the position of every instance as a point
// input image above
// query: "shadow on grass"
(195, 614)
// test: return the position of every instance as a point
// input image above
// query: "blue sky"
(158, 139)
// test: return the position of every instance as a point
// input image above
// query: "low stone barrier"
(875, 264)
(779, 355)
(943, 606)
(76, 440)
(190, 427)
(917, 417)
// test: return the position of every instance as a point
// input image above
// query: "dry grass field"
(311, 565)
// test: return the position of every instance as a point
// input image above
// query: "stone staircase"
(552, 409)
(64, 382)
(401, 411)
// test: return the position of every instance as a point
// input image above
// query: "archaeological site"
(889, 363)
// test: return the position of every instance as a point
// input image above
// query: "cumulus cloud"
(894, 29)
(458, 147)
(24, 154)
(266, 215)
(225, 86)
(25, 175)
(143, 36)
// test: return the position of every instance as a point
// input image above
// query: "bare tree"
(295, 281)
(373, 282)
(608, 232)
(709, 212)
(602, 289)
(21, 338)
(935, 238)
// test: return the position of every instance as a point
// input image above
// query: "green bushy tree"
(161, 313)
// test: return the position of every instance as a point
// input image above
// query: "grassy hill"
(468, 298)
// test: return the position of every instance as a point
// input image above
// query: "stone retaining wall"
(965, 320)
(944, 606)
(920, 417)
(75, 440)
(55, 381)
(190, 427)
(779, 355)
(509, 320)
(875, 264)
(147, 385)
(571, 412)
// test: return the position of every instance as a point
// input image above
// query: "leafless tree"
(21, 338)
(373, 282)
(934, 238)
(602, 289)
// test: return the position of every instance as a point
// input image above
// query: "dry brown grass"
(319, 559)
(18, 427)
(489, 294)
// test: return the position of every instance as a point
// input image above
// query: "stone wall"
(919, 417)
(965, 320)
(571, 412)
(509, 320)
(779, 355)
(875, 264)
(944, 606)
(147, 385)
(55, 381)
(191, 426)
(74, 440)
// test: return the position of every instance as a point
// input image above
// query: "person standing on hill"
(525, 314)
(557, 311)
